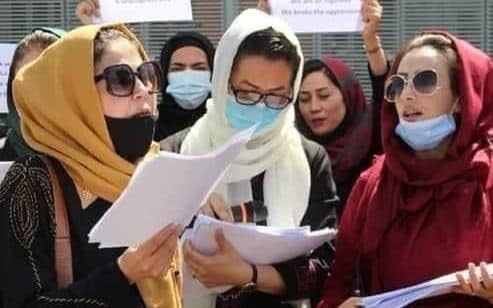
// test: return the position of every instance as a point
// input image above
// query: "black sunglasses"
(120, 78)
(273, 101)
(423, 82)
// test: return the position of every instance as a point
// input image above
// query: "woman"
(256, 82)
(28, 49)
(88, 104)
(332, 110)
(424, 208)
(186, 60)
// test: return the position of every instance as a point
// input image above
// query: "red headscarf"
(349, 145)
(417, 205)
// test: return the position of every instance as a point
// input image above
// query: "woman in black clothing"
(88, 106)
(256, 82)
(187, 61)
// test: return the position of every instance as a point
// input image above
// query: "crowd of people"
(406, 177)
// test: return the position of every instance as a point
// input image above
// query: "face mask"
(426, 134)
(241, 117)
(189, 88)
(131, 137)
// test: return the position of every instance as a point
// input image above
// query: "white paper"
(258, 245)
(403, 297)
(4, 167)
(6, 54)
(309, 16)
(144, 10)
(169, 188)
(283, 243)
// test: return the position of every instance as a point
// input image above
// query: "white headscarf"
(277, 149)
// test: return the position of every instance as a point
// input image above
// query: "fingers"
(222, 242)
(464, 287)
(474, 278)
(153, 244)
(207, 210)
(161, 260)
(221, 208)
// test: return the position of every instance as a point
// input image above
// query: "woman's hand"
(480, 282)
(86, 9)
(225, 268)
(352, 302)
(218, 208)
(371, 11)
(153, 258)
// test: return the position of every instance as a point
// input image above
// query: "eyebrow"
(193, 64)
(246, 82)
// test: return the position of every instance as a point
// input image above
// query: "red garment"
(350, 143)
(409, 220)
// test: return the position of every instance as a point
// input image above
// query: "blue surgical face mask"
(241, 117)
(189, 88)
(426, 134)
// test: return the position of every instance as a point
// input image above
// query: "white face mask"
(189, 88)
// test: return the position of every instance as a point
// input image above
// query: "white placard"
(6, 54)
(144, 10)
(309, 16)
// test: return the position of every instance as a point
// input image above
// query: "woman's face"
(141, 102)
(261, 75)
(188, 58)
(412, 106)
(321, 103)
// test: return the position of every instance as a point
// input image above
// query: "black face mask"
(131, 137)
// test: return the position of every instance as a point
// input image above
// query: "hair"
(442, 45)
(316, 65)
(38, 40)
(104, 37)
(272, 45)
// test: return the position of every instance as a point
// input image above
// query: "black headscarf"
(173, 118)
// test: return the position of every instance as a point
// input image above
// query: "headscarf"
(62, 116)
(173, 118)
(350, 143)
(277, 151)
(67, 121)
(14, 135)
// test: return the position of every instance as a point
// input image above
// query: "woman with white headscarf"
(256, 78)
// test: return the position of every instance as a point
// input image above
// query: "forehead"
(120, 51)
(317, 79)
(423, 58)
(188, 53)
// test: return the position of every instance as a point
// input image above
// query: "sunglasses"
(423, 82)
(120, 78)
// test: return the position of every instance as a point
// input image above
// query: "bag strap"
(63, 248)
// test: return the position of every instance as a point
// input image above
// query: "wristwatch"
(252, 285)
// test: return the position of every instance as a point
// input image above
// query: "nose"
(141, 90)
(408, 94)
(315, 105)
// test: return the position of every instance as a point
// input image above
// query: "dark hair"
(441, 44)
(272, 45)
(316, 65)
(104, 37)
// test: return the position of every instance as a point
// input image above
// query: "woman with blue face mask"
(186, 61)
(424, 209)
(256, 80)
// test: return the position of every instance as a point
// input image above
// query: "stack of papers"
(249, 240)
(169, 188)
(258, 245)
(405, 296)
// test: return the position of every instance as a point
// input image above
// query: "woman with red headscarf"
(424, 209)
(332, 110)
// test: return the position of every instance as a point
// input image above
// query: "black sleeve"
(377, 86)
(173, 143)
(30, 278)
(304, 276)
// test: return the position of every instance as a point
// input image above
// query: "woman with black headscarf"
(186, 60)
